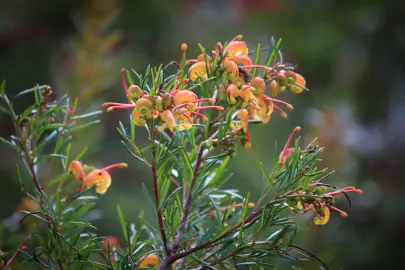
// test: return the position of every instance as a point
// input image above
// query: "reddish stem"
(157, 202)
(20, 248)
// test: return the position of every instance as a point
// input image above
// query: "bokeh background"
(352, 54)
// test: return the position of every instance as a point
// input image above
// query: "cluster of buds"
(100, 178)
(318, 199)
(46, 93)
(250, 97)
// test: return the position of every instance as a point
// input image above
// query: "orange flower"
(232, 93)
(198, 71)
(75, 169)
(101, 179)
(98, 177)
(186, 97)
(259, 85)
(27, 204)
(299, 80)
(168, 119)
(236, 48)
(265, 108)
(231, 69)
(110, 241)
(150, 261)
(243, 116)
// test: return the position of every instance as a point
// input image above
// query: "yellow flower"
(322, 219)
(150, 261)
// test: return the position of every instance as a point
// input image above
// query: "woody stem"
(156, 195)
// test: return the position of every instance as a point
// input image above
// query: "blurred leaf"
(11, 144)
(86, 115)
(123, 224)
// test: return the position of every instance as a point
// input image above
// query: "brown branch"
(184, 221)
(157, 202)
(247, 220)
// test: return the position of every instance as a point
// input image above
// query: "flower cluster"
(177, 108)
(239, 90)
(317, 199)
(97, 177)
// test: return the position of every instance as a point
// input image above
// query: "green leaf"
(49, 156)
(56, 126)
(11, 144)
(129, 77)
(79, 127)
(146, 193)
(57, 179)
(256, 60)
(245, 208)
(30, 90)
(265, 175)
(273, 52)
(122, 222)
(86, 115)
(3, 88)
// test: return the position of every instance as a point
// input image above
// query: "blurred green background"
(352, 54)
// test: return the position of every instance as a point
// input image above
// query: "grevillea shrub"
(196, 112)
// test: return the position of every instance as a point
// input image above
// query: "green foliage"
(200, 223)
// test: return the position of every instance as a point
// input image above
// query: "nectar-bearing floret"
(100, 178)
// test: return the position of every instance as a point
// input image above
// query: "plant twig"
(20, 248)
(157, 202)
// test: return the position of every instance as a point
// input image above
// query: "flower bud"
(259, 85)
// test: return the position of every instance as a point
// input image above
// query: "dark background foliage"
(352, 54)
